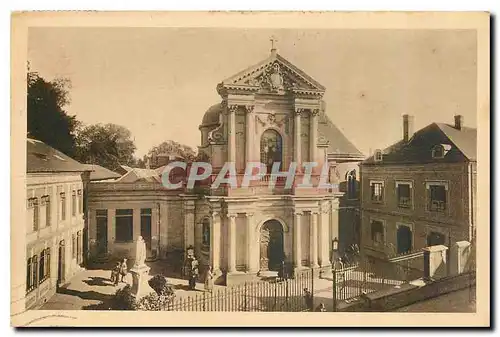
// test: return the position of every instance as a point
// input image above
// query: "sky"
(158, 82)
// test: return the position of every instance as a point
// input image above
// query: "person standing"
(209, 280)
(115, 273)
(308, 297)
(193, 274)
(123, 269)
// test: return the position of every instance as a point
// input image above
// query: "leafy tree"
(108, 145)
(173, 148)
(48, 120)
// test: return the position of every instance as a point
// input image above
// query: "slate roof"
(418, 150)
(101, 173)
(338, 144)
(40, 157)
(140, 174)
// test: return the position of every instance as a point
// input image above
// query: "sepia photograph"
(169, 167)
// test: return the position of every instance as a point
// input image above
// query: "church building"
(272, 112)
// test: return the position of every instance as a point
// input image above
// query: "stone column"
(188, 224)
(297, 240)
(231, 143)
(249, 133)
(111, 228)
(231, 263)
(459, 257)
(250, 244)
(313, 242)
(313, 131)
(155, 230)
(297, 142)
(215, 242)
(323, 236)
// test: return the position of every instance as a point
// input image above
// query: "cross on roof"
(273, 40)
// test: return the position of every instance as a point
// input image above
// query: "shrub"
(160, 299)
(154, 302)
(123, 299)
(160, 285)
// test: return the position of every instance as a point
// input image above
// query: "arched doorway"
(271, 246)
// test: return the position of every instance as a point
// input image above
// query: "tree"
(108, 145)
(48, 120)
(173, 148)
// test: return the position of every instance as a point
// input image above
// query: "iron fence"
(295, 294)
(298, 293)
(352, 281)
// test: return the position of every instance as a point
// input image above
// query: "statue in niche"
(264, 244)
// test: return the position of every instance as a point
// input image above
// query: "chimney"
(459, 122)
(407, 127)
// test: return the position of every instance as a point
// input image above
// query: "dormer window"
(440, 150)
(378, 155)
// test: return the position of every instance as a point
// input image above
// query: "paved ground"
(89, 289)
(458, 301)
(92, 289)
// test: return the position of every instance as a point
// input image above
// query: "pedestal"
(139, 280)
(435, 262)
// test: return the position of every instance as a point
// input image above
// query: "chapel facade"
(272, 113)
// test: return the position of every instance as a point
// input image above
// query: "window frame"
(262, 153)
(411, 227)
(73, 203)
(62, 200)
(428, 188)
(80, 201)
(404, 182)
(377, 182)
(117, 216)
(381, 243)
(32, 274)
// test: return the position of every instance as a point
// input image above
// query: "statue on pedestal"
(140, 252)
(140, 270)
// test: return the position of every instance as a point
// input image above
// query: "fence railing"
(352, 281)
(297, 293)
(276, 295)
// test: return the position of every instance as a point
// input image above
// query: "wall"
(408, 294)
(453, 223)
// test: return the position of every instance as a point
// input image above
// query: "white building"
(54, 221)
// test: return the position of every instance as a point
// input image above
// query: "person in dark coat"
(308, 297)
(193, 274)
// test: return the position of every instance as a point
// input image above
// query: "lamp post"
(335, 248)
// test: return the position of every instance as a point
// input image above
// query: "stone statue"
(140, 252)
(276, 80)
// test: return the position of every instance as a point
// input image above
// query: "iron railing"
(295, 294)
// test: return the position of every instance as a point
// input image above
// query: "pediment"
(274, 75)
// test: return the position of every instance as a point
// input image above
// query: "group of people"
(193, 274)
(119, 271)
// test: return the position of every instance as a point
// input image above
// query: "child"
(115, 273)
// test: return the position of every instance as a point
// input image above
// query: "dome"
(212, 115)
